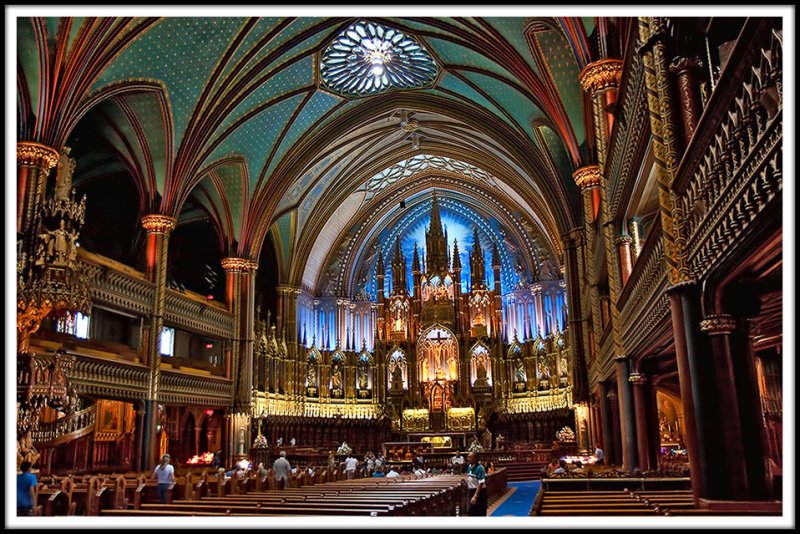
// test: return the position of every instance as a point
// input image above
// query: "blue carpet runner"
(520, 502)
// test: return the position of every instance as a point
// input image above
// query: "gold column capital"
(587, 176)
(601, 75)
(637, 378)
(718, 324)
(36, 155)
(236, 265)
(158, 224)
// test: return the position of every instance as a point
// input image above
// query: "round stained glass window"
(368, 58)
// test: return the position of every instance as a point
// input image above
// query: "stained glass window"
(368, 58)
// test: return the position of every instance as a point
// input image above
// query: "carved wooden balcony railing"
(627, 143)
(68, 428)
(119, 286)
(118, 379)
(643, 303)
(732, 172)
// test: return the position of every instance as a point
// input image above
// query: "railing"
(643, 303)
(119, 286)
(65, 429)
(733, 171)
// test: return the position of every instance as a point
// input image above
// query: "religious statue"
(64, 170)
(336, 377)
(481, 378)
(452, 367)
(426, 371)
(344, 448)
(260, 442)
(499, 441)
(397, 378)
(363, 379)
(520, 371)
(475, 446)
(26, 452)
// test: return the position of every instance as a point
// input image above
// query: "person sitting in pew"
(378, 472)
(392, 473)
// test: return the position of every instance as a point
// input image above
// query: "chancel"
(368, 246)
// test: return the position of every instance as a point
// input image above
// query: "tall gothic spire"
(398, 270)
(477, 264)
(415, 261)
(436, 242)
(456, 256)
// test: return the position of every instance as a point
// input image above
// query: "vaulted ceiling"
(224, 118)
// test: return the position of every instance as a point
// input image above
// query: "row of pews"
(210, 492)
(613, 502)
(443, 495)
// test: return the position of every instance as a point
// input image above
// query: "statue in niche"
(397, 377)
(64, 170)
(520, 371)
(363, 379)
(546, 271)
(452, 367)
(481, 379)
(336, 377)
(426, 371)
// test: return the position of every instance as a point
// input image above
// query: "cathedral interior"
(510, 233)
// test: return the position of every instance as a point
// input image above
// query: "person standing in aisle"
(476, 483)
(165, 474)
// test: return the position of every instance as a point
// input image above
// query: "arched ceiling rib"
(246, 88)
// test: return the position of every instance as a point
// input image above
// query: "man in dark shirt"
(26, 482)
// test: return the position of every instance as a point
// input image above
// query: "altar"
(441, 441)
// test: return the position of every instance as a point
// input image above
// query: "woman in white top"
(165, 474)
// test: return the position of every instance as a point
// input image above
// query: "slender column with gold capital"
(158, 228)
(588, 179)
(626, 264)
(240, 295)
(34, 162)
(684, 69)
(601, 80)
(644, 447)
(731, 449)
(627, 418)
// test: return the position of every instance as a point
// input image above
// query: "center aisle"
(519, 503)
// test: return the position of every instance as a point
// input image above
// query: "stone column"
(684, 69)
(685, 309)
(645, 448)
(606, 425)
(240, 295)
(731, 481)
(625, 260)
(34, 161)
(627, 417)
(616, 437)
(158, 228)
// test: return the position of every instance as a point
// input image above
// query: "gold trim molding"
(587, 176)
(159, 224)
(36, 155)
(601, 75)
(238, 264)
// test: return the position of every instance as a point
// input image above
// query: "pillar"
(684, 69)
(158, 228)
(34, 161)
(645, 448)
(606, 420)
(625, 259)
(685, 311)
(731, 481)
(627, 416)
